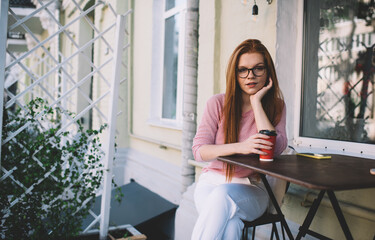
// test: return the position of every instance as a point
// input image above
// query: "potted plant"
(123, 232)
(126, 232)
(50, 175)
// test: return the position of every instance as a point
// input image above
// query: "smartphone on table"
(315, 155)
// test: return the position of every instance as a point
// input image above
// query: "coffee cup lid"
(268, 132)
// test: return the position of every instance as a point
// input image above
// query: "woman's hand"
(260, 94)
(253, 144)
(261, 118)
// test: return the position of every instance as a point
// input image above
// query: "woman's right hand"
(253, 144)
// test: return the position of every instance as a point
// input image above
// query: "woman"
(225, 194)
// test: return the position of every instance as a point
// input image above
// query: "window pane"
(169, 4)
(170, 67)
(338, 76)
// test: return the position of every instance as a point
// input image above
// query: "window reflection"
(338, 75)
(170, 67)
(169, 4)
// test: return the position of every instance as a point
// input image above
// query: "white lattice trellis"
(76, 66)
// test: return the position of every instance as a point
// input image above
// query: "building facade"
(324, 56)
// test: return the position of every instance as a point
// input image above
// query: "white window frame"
(317, 144)
(289, 57)
(156, 105)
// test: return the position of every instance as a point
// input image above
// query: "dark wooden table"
(327, 175)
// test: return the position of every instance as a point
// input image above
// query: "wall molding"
(157, 175)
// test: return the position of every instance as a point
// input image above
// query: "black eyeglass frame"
(252, 69)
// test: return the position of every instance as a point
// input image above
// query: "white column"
(189, 124)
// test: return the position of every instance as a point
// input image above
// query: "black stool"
(266, 218)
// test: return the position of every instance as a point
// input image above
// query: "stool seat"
(266, 218)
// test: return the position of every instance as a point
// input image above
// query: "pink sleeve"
(206, 132)
(281, 139)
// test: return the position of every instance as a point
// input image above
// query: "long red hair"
(272, 102)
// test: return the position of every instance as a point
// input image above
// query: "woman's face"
(250, 83)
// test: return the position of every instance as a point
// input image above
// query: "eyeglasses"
(258, 71)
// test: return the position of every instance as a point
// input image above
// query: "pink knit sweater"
(210, 131)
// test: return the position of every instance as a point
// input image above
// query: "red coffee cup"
(269, 157)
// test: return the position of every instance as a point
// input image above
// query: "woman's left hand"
(260, 94)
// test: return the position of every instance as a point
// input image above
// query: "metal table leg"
(339, 215)
(310, 215)
(304, 229)
(276, 205)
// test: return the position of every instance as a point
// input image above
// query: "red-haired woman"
(230, 124)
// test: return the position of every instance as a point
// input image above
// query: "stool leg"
(253, 233)
(245, 233)
(282, 230)
(274, 229)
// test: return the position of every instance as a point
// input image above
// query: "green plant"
(55, 174)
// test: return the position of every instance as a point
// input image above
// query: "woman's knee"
(232, 190)
(221, 192)
(220, 198)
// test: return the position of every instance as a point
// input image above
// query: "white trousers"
(222, 205)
